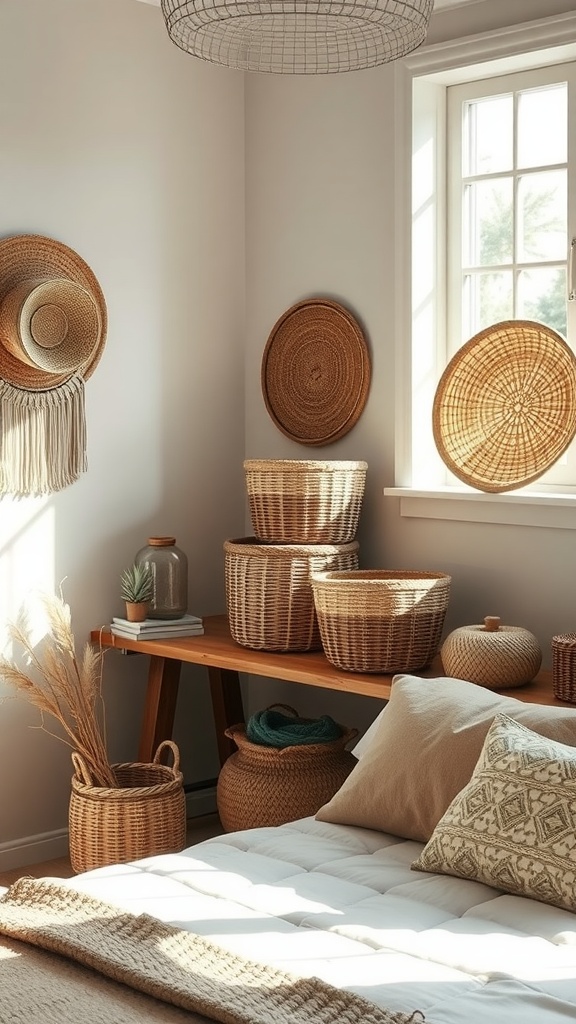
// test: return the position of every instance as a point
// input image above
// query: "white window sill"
(546, 509)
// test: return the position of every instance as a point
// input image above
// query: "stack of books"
(157, 629)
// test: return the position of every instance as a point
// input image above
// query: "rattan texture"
(33, 259)
(501, 660)
(145, 815)
(305, 502)
(378, 620)
(315, 372)
(259, 786)
(505, 407)
(564, 667)
(269, 594)
(286, 37)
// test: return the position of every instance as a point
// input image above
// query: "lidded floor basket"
(269, 595)
(261, 785)
(145, 815)
(305, 502)
(377, 620)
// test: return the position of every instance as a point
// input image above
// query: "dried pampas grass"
(61, 685)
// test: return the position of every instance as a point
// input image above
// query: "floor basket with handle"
(145, 815)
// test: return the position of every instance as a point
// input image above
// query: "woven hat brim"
(316, 372)
(505, 407)
(28, 257)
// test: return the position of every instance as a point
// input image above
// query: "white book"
(155, 624)
(157, 634)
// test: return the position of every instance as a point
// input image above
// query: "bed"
(438, 884)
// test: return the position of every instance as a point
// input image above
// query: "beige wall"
(115, 143)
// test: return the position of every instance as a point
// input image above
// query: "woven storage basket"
(378, 620)
(564, 667)
(260, 786)
(146, 815)
(307, 502)
(269, 595)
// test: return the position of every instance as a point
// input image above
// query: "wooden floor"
(198, 829)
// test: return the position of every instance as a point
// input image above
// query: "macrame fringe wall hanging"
(52, 332)
(43, 438)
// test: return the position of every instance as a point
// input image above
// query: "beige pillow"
(424, 752)
(513, 825)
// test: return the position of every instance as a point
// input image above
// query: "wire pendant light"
(297, 36)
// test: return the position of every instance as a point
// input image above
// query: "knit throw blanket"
(110, 963)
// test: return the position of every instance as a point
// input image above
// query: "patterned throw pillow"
(513, 826)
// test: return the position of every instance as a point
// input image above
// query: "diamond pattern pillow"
(513, 826)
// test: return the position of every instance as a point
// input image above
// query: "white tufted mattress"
(343, 904)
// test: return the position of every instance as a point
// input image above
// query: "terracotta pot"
(136, 612)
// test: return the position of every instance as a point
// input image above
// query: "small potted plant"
(137, 589)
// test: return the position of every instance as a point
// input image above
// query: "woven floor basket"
(309, 502)
(146, 815)
(564, 667)
(260, 785)
(269, 595)
(380, 621)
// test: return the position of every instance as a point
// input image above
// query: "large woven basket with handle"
(145, 815)
(261, 785)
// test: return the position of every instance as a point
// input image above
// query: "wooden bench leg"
(160, 705)
(226, 705)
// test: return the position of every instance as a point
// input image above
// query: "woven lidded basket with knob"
(492, 655)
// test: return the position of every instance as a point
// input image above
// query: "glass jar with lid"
(170, 575)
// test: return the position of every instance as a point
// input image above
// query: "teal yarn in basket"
(273, 728)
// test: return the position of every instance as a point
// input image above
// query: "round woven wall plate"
(316, 372)
(505, 407)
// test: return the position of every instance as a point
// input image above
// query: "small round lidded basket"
(305, 502)
(492, 655)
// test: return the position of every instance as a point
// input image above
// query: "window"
(490, 204)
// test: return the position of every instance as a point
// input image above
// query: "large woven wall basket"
(145, 815)
(260, 786)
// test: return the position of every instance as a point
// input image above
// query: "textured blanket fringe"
(42, 438)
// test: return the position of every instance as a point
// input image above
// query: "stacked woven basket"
(304, 517)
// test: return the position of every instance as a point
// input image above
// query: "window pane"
(488, 223)
(542, 126)
(487, 299)
(488, 134)
(542, 216)
(542, 297)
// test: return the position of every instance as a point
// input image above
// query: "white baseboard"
(33, 849)
(49, 845)
(201, 801)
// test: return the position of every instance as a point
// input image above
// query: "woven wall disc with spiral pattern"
(316, 372)
(505, 407)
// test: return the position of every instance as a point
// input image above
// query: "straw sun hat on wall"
(53, 325)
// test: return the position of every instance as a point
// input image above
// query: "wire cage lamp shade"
(297, 36)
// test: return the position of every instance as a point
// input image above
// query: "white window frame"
(422, 78)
